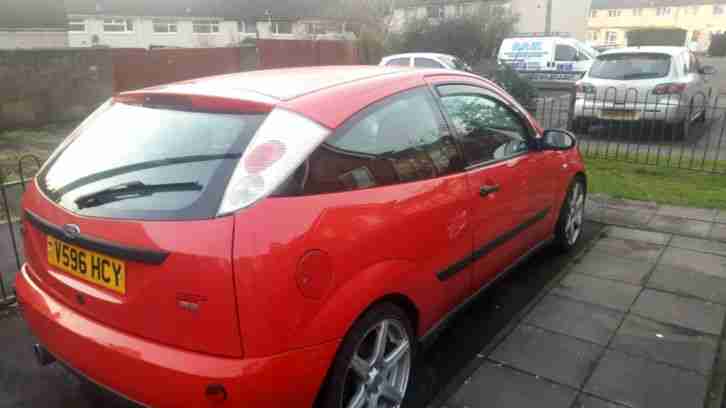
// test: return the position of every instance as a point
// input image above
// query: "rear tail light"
(669, 89)
(583, 88)
(280, 146)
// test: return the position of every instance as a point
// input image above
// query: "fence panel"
(298, 53)
(658, 127)
(140, 68)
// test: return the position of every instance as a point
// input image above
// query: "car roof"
(672, 51)
(419, 54)
(328, 94)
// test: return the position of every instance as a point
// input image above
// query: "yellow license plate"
(620, 115)
(90, 266)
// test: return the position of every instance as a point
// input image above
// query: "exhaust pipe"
(42, 355)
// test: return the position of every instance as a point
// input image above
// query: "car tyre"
(365, 371)
(568, 229)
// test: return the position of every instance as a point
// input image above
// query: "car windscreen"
(631, 66)
(134, 162)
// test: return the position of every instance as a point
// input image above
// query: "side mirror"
(708, 70)
(558, 139)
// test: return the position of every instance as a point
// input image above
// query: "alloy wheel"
(379, 372)
(573, 228)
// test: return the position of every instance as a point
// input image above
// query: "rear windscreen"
(631, 66)
(134, 162)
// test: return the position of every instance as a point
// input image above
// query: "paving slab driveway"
(637, 321)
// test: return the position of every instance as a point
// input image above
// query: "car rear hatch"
(628, 78)
(122, 221)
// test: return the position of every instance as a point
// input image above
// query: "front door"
(495, 141)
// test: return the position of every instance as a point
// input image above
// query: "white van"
(547, 58)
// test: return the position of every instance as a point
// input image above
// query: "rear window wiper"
(131, 190)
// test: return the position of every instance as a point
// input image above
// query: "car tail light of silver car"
(583, 88)
(669, 89)
(279, 147)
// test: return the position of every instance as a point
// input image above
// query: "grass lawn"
(660, 184)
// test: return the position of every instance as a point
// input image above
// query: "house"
(567, 15)
(611, 20)
(32, 24)
(195, 23)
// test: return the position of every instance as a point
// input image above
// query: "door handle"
(486, 190)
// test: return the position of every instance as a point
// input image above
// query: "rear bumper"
(669, 112)
(152, 374)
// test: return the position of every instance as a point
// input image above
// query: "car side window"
(488, 129)
(565, 53)
(401, 139)
(399, 62)
(426, 63)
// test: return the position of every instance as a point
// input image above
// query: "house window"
(118, 25)
(593, 14)
(435, 11)
(718, 9)
(281, 27)
(613, 13)
(593, 35)
(638, 12)
(663, 11)
(165, 26)
(77, 25)
(611, 37)
(206, 27)
(248, 26)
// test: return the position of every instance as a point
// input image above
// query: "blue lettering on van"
(524, 46)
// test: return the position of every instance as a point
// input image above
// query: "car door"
(566, 59)
(496, 142)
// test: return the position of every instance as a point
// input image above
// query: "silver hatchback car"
(662, 84)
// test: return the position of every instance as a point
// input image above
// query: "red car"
(284, 238)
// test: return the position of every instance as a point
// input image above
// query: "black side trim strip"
(142, 255)
(454, 269)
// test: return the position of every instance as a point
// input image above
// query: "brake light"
(268, 162)
(264, 156)
(669, 89)
(201, 103)
(584, 88)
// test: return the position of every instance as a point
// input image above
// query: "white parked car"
(547, 58)
(425, 60)
(663, 84)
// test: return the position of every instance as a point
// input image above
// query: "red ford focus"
(284, 238)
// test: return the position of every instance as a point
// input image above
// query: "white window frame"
(611, 37)
(169, 24)
(243, 26)
(663, 11)
(77, 22)
(119, 22)
(721, 9)
(593, 13)
(613, 13)
(275, 27)
(212, 24)
(440, 10)
(637, 12)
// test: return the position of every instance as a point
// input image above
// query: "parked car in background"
(425, 60)
(662, 84)
(233, 241)
(547, 57)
